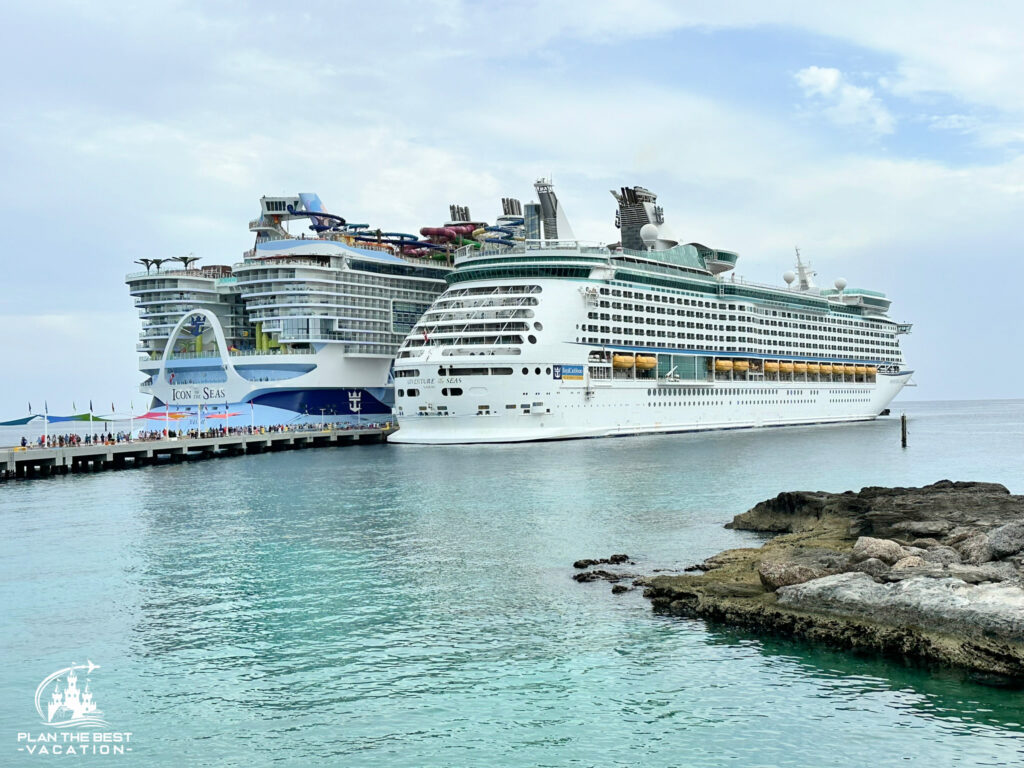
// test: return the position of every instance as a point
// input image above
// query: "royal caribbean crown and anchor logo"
(73, 722)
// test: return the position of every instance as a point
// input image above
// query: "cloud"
(170, 126)
(956, 123)
(842, 102)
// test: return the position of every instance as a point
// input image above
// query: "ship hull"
(572, 412)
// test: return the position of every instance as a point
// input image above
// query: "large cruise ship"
(542, 337)
(304, 329)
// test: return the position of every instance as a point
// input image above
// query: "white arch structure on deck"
(233, 377)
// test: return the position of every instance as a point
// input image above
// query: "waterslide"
(318, 226)
(507, 240)
(410, 244)
(454, 234)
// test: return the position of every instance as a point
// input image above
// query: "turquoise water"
(413, 606)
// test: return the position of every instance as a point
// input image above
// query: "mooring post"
(903, 429)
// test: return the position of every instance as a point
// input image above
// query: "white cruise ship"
(304, 329)
(540, 337)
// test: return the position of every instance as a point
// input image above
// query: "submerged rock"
(610, 560)
(599, 575)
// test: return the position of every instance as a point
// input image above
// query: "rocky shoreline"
(934, 574)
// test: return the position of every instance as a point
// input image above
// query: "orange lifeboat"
(862, 370)
(850, 370)
(814, 369)
(872, 370)
(622, 361)
(740, 366)
(723, 366)
(646, 362)
(800, 368)
(771, 366)
(786, 367)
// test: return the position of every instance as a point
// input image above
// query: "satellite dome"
(840, 284)
(789, 277)
(649, 234)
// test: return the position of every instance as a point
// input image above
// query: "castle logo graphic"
(69, 706)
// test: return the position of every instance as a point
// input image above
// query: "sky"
(885, 140)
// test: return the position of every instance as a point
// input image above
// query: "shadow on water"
(932, 691)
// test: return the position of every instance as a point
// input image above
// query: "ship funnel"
(638, 208)
(511, 207)
(460, 213)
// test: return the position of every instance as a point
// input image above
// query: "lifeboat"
(826, 369)
(646, 362)
(850, 370)
(771, 366)
(740, 366)
(723, 366)
(872, 370)
(622, 361)
(814, 369)
(862, 370)
(799, 367)
(785, 367)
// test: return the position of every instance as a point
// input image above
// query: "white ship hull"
(570, 410)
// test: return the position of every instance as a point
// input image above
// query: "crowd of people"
(73, 440)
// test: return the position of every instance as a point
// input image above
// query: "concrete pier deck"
(46, 462)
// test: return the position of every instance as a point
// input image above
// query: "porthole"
(401, 393)
(412, 392)
(532, 339)
(537, 371)
(547, 370)
(538, 327)
(525, 371)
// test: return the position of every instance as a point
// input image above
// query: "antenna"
(803, 272)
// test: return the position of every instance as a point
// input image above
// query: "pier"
(45, 462)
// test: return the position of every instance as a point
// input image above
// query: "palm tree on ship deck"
(158, 262)
(147, 263)
(186, 260)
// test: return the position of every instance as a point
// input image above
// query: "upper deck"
(689, 268)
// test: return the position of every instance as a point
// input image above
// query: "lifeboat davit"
(723, 366)
(786, 367)
(622, 361)
(740, 366)
(646, 362)
(800, 367)
(814, 369)
(770, 366)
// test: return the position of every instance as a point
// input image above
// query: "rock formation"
(934, 573)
